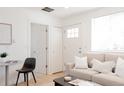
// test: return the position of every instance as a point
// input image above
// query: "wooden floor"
(46, 80)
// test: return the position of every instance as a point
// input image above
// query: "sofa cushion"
(120, 67)
(85, 74)
(103, 67)
(92, 55)
(108, 80)
(113, 56)
(81, 62)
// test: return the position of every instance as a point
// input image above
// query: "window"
(108, 33)
(72, 33)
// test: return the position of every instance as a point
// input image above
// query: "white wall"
(20, 19)
(85, 20)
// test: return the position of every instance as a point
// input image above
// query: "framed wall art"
(5, 34)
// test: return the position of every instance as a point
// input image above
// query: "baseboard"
(58, 72)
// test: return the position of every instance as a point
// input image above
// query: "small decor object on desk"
(67, 78)
(3, 56)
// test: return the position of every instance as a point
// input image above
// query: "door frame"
(77, 25)
(46, 42)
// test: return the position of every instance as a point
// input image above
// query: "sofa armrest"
(68, 67)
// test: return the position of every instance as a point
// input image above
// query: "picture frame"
(5, 34)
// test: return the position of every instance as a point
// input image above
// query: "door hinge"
(46, 30)
(46, 48)
(46, 66)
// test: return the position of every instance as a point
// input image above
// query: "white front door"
(72, 44)
(38, 46)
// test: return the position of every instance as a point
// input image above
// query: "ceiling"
(63, 12)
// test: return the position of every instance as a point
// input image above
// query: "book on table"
(79, 82)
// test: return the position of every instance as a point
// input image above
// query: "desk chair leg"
(27, 79)
(24, 77)
(34, 77)
(17, 78)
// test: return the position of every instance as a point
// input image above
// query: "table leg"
(6, 74)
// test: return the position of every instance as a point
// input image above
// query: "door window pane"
(72, 33)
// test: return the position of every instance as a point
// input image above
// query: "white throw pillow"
(103, 67)
(119, 69)
(81, 62)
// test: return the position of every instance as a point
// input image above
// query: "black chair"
(29, 66)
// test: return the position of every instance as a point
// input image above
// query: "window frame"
(105, 50)
(74, 33)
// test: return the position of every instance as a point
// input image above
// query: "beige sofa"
(91, 75)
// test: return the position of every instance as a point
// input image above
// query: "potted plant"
(3, 56)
